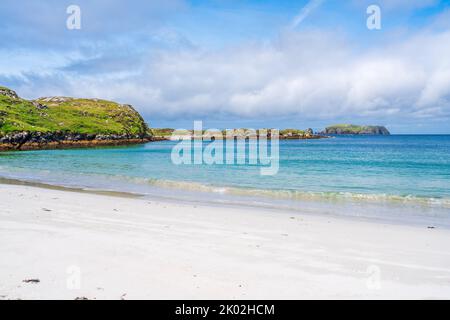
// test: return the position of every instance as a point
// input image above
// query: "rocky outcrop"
(356, 129)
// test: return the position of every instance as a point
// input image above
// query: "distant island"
(356, 129)
(61, 122)
(284, 134)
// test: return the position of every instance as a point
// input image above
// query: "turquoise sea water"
(407, 175)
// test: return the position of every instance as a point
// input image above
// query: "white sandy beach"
(127, 248)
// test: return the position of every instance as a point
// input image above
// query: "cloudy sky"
(241, 63)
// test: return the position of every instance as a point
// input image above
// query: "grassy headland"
(65, 121)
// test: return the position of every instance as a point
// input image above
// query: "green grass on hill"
(294, 132)
(161, 132)
(356, 129)
(84, 116)
(349, 127)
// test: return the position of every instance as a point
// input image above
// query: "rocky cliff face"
(355, 129)
(58, 140)
(59, 122)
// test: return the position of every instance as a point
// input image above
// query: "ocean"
(398, 177)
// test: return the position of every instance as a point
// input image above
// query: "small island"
(356, 130)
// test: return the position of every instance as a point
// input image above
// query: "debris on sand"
(31, 280)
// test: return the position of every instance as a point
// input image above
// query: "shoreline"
(152, 249)
(393, 211)
(66, 144)
(47, 186)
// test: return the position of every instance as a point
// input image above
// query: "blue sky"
(239, 63)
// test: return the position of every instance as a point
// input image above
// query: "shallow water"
(399, 176)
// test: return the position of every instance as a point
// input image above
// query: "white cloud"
(301, 74)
